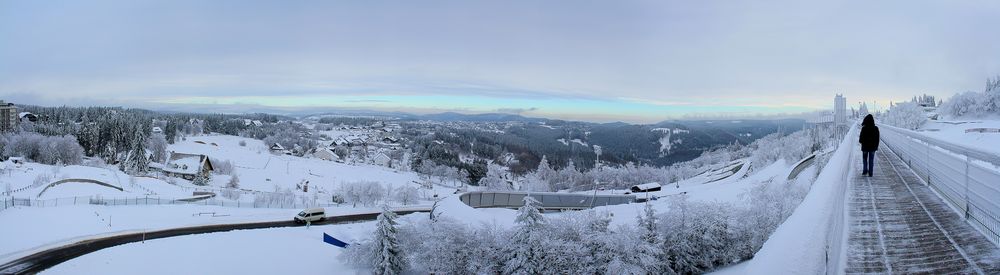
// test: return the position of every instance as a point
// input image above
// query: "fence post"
(967, 160)
(927, 163)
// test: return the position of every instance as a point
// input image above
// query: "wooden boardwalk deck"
(898, 225)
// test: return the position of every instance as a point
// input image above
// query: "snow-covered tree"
(157, 146)
(494, 179)
(526, 254)
(202, 178)
(234, 181)
(906, 115)
(406, 195)
(136, 160)
(387, 255)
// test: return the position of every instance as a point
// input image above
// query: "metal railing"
(548, 200)
(968, 179)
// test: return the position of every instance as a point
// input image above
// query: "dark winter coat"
(869, 135)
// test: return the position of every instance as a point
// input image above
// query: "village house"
(325, 154)
(277, 148)
(187, 166)
(381, 159)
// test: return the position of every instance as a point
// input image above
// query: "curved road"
(42, 260)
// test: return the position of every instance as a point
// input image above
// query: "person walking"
(869, 144)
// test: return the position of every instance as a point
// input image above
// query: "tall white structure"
(840, 115)
(839, 110)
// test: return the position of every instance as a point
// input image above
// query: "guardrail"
(968, 179)
(549, 200)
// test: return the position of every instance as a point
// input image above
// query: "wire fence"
(11, 202)
(968, 179)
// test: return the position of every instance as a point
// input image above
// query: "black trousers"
(868, 157)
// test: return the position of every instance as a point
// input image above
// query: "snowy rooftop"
(184, 163)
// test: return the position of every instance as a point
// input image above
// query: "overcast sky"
(637, 61)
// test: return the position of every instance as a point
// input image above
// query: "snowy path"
(898, 225)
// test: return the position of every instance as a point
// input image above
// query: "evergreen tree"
(527, 251)
(651, 256)
(681, 242)
(387, 255)
(138, 162)
(597, 243)
(201, 178)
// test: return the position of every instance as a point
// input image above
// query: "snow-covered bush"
(367, 193)
(234, 182)
(432, 245)
(42, 149)
(406, 195)
(907, 115)
(767, 206)
(279, 197)
(223, 167)
(358, 255)
(231, 194)
(792, 148)
(41, 179)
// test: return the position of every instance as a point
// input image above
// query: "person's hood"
(869, 121)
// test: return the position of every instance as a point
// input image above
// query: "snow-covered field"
(260, 170)
(955, 131)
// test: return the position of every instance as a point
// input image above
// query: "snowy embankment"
(33, 229)
(812, 238)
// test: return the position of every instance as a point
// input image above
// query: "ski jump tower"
(840, 115)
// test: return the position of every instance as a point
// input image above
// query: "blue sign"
(334, 241)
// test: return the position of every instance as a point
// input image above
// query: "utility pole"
(597, 165)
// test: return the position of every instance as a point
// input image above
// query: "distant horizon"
(314, 111)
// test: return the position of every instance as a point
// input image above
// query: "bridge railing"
(967, 178)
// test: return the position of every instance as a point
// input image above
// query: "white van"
(311, 215)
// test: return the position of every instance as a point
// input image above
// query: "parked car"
(311, 215)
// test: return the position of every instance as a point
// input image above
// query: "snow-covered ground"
(237, 252)
(26, 176)
(39, 228)
(727, 190)
(260, 170)
(278, 250)
(262, 251)
(955, 131)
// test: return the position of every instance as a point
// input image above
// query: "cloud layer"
(636, 60)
